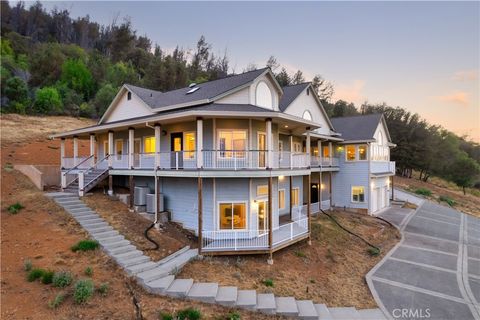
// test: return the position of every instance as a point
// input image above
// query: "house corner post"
(62, 153)
(270, 221)
(309, 209)
(158, 131)
(290, 197)
(131, 146)
(92, 148)
(199, 141)
(330, 152)
(110, 149)
(75, 150)
(200, 214)
(131, 184)
(320, 153)
(268, 129)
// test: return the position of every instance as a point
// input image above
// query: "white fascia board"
(325, 137)
(357, 141)
(190, 113)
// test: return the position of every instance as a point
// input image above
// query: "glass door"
(176, 143)
(262, 216)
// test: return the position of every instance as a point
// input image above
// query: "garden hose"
(150, 239)
(350, 232)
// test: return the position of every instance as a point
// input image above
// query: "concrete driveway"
(434, 272)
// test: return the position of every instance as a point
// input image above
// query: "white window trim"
(298, 189)
(143, 146)
(284, 199)
(309, 115)
(357, 152)
(218, 140)
(346, 153)
(247, 215)
(351, 194)
(262, 195)
(140, 145)
(194, 151)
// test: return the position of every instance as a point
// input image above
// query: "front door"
(262, 145)
(262, 216)
(176, 143)
(314, 193)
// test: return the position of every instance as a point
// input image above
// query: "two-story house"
(240, 161)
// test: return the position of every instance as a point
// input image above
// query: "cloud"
(465, 75)
(457, 97)
(352, 92)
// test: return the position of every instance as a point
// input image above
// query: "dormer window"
(307, 115)
(129, 95)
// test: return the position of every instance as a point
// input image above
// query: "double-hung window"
(232, 143)
(232, 215)
(358, 194)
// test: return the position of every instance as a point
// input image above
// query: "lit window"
(326, 152)
(350, 153)
(295, 196)
(232, 216)
(281, 199)
(358, 194)
(307, 115)
(129, 95)
(189, 145)
(262, 190)
(149, 145)
(119, 149)
(232, 140)
(362, 152)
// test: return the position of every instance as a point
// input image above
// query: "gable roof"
(207, 91)
(290, 93)
(359, 128)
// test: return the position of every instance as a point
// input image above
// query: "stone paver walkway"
(434, 272)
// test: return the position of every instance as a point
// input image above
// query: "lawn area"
(440, 191)
(332, 270)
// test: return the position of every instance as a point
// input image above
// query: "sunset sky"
(423, 56)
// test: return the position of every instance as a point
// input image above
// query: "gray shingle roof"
(207, 90)
(357, 127)
(290, 93)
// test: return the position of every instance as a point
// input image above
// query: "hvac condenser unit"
(139, 196)
(151, 203)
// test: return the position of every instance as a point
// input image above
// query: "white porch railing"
(329, 161)
(120, 161)
(290, 231)
(69, 163)
(234, 159)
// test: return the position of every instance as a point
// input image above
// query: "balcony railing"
(252, 239)
(383, 167)
(78, 162)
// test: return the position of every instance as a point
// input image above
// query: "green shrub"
(89, 271)
(83, 291)
(423, 192)
(55, 303)
(300, 254)
(189, 314)
(373, 251)
(268, 282)
(448, 200)
(85, 245)
(47, 277)
(165, 316)
(103, 289)
(233, 316)
(35, 274)
(15, 208)
(62, 279)
(27, 265)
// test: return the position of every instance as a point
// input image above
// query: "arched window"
(263, 96)
(307, 115)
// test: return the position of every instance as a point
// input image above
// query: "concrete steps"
(159, 277)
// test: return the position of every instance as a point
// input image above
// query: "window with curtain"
(189, 145)
(362, 152)
(232, 216)
(232, 140)
(149, 145)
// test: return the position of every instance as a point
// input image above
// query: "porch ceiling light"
(322, 186)
(286, 126)
(281, 177)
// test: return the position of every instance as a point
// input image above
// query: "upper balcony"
(382, 167)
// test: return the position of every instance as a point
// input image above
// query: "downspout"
(156, 215)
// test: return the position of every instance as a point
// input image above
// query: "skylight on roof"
(193, 90)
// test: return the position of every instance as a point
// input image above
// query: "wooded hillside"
(53, 64)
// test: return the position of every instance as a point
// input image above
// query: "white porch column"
(291, 152)
(199, 141)
(268, 129)
(320, 153)
(110, 148)
(330, 152)
(92, 148)
(308, 148)
(62, 153)
(131, 146)
(75, 150)
(158, 131)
